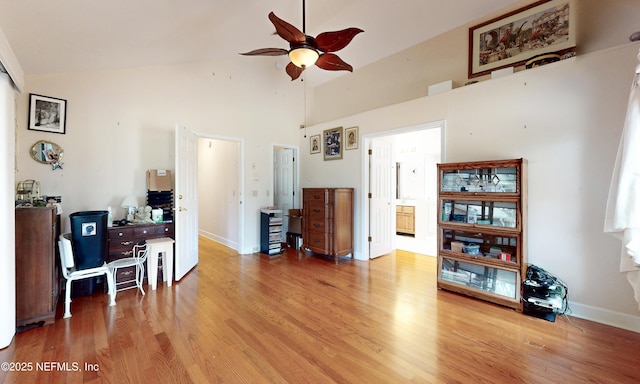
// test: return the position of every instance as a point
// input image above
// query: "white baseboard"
(231, 244)
(605, 316)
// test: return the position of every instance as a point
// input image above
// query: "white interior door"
(283, 171)
(381, 198)
(186, 201)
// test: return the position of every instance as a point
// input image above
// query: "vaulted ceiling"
(76, 35)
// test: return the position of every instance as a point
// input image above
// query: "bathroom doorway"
(415, 152)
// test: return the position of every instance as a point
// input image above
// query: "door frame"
(366, 140)
(296, 173)
(241, 196)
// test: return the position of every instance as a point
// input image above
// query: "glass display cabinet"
(482, 229)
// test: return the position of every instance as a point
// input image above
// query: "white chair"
(70, 273)
(139, 255)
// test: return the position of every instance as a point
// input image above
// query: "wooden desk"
(121, 242)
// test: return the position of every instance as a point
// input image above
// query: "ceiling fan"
(306, 50)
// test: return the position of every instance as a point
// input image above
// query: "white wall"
(120, 123)
(566, 119)
(7, 230)
(407, 74)
(218, 190)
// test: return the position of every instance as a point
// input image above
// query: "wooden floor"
(302, 319)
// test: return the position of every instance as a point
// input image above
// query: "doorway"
(404, 179)
(285, 181)
(219, 203)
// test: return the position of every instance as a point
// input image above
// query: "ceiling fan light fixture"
(305, 51)
(303, 56)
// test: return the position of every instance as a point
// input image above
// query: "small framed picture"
(333, 143)
(314, 144)
(351, 135)
(47, 114)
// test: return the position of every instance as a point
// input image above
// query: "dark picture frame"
(333, 143)
(47, 114)
(314, 144)
(512, 39)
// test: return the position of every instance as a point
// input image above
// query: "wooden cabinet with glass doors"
(482, 229)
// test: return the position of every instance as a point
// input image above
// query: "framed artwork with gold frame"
(332, 139)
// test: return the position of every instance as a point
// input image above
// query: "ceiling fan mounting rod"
(304, 28)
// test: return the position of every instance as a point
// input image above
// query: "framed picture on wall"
(510, 40)
(351, 137)
(47, 114)
(314, 144)
(332, 143)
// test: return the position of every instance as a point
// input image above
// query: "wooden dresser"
(327, 221)
(37, 271)
(121, 242)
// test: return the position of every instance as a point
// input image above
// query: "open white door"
(186, 201)
(380, 198)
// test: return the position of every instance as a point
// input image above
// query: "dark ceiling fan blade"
(335, 41)
(331, 62)
(266, 52)
(286, 30)
(294, 71)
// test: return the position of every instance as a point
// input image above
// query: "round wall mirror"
(47, 152)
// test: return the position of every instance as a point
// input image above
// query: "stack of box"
(543, 294)
(160, 192)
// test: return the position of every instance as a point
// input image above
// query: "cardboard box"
(295, 221)
(456, 246)
(159, 180)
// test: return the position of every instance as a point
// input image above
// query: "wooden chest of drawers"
(36, 265)
(121, 242)
(327, 221)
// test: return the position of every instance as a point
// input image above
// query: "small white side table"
(163, 245)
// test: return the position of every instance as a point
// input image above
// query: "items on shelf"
(160, 194)
(481, 229)
(271, 221)
(27, 191)
(162, 200)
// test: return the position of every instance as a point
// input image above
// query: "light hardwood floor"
(302, 319)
